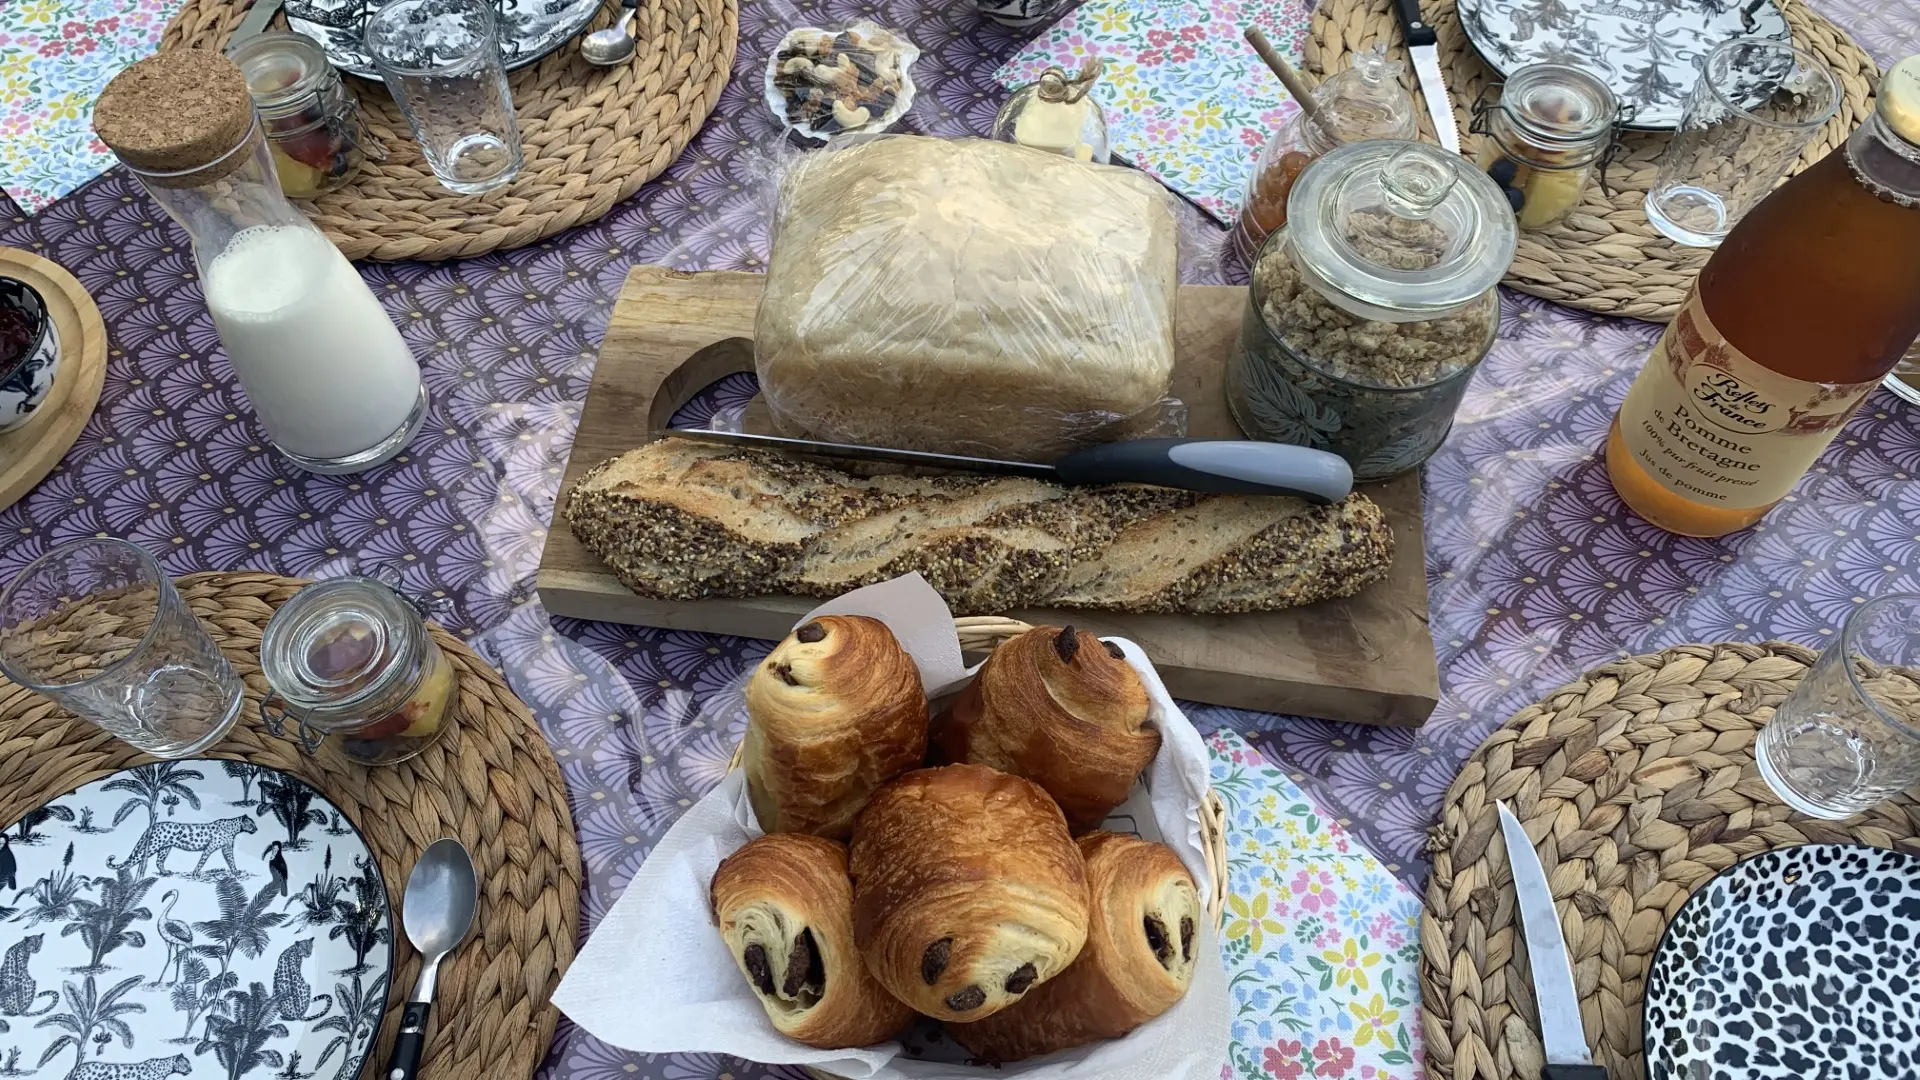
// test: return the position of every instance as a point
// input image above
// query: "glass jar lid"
(1366, 101)
(1399, 231)
(284, 71)
(1561, 109)
(341, 644)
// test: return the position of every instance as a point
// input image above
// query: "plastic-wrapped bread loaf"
(967, 297)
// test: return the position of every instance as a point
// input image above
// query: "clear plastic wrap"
(968, 297)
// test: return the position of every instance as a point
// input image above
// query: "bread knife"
(255, 23)
(1423, 47)
(1561, 1034)
(1214, 466)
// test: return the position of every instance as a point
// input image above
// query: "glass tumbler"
(1756, 105)
(441, 62)
(1849, 735)
(97, 626)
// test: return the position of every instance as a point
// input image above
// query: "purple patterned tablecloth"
(1536, 570)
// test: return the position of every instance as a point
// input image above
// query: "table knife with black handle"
(1423, 45)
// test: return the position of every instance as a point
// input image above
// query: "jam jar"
(1370, 308)
(312, 120)
(351, 657)
(1553, 124)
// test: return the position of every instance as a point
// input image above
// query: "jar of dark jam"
(352, 658)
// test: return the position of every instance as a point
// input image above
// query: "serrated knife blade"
(1561, 1034)
(1426, 66)
(1423, 47)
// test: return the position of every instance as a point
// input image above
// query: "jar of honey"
(1364, 102)
(351, 657)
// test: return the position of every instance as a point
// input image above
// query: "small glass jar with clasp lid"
(312, 120)
(351, 657)
(1542, 140)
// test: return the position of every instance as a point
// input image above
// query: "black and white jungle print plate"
(1795, 964)
(197, 918)
(1647, 51)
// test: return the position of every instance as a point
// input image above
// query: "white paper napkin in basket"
(656, 978)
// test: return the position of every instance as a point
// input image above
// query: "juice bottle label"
(1711, 425)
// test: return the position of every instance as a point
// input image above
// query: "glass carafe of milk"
(334, 385)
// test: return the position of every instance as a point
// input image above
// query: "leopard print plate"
(1796, 964)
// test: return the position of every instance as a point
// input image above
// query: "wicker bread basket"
(983, 633)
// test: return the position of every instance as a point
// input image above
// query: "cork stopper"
(175, 111)
(1900, 99)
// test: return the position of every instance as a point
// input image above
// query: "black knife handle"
(1573, 1072)
(1215, 466)
(404, 1063)
(1415, 27)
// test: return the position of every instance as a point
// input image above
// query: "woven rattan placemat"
(1637, 785)
(491, 781)
(1606, 257)
(591, 136)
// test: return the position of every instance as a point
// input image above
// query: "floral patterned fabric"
(1322, 943)
(1186, 98)
(55, 56)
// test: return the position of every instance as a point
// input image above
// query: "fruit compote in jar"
(312, 119)
(351, 657)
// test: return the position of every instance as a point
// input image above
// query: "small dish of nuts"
(821, 83)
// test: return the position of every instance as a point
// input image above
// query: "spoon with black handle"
(437, 912)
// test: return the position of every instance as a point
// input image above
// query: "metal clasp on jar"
(275, 719)
(1484, 106)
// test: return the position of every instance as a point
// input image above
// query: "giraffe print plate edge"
(203, 918)
(1792, 964)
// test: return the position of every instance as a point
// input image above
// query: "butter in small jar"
(351, 657)
(312, 120)
(1057, 114)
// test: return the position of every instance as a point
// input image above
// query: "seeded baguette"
(679, 520)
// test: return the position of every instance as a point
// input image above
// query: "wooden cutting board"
(1368, 659)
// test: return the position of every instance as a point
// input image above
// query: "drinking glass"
(98, 627)
(1754, 108)
(1849, 735)
(441, 62)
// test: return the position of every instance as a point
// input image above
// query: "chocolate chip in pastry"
(1142, 937)
(785, 908)
(1061, 708)
(967, 890)
(833, 712)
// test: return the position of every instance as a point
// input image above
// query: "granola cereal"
(1381, 394)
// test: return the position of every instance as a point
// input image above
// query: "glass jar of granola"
(1371, 307)
(351, 657)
